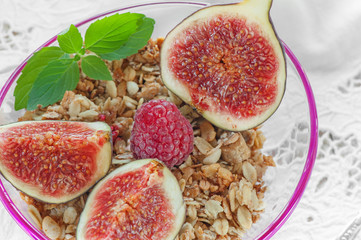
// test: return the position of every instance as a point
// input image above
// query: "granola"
(221, 180)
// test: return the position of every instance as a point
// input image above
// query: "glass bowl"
(291, 132)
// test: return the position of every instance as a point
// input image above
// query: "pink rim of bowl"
(281, 218)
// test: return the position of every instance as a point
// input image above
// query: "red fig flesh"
(140, 200)
(54, 161)
(227, 62)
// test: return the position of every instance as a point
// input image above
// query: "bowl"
(291, 132)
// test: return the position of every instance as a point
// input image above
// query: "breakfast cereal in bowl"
(127, 135)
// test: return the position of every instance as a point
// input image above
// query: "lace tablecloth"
(325, 35)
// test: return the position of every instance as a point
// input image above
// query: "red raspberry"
(161, 131)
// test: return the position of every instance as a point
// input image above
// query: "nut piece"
(244, 217)
(213, 156)
(237, 151)
(203, 146)
(213, 207)
(74, 108)
(246, 196)
(249, 172)
(233, 189)
(132, 88)
(35, 215)
(225, 174)
(129, 74)
(51, 228)
(89, 115)
(186, 232)
(192, 212)
(111, 89)
(210, 170)
(70, 229)
(70, 215)
(207, 131)
(221, 226)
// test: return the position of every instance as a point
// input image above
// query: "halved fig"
(140, 200)
(227, 62)
(54, 161)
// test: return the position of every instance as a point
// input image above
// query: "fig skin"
(103, 163)
(169, 185)
(256, 12)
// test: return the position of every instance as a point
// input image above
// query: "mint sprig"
(53, 70)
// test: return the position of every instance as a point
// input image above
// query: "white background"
(325, 35)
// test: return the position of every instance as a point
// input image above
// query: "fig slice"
(140, 200)
(227, 62)
(54, 161)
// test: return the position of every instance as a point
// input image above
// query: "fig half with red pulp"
(54, 161)
(140, 200)
(227, 62)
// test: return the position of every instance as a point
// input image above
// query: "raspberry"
(161, 131)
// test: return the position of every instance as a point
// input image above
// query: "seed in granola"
(232, 194)
(192, 212)
(213, 156)
(202, 145)
(74, 109)
(90, 115)
(249, 172)
(244, 195)
(132, 88)
(244, 217)
(70, 215)
(213, 207)
(221, 226)
(35, 215)
(207, 131)
(129, 74)
(111, 89)
(51, 228)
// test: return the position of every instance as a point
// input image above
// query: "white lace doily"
(325, 36)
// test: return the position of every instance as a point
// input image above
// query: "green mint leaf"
(49, 87)
(65, 56)
(110, 33)
(31, 71)
(70, 41)
(95, 68)
(136, 41)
